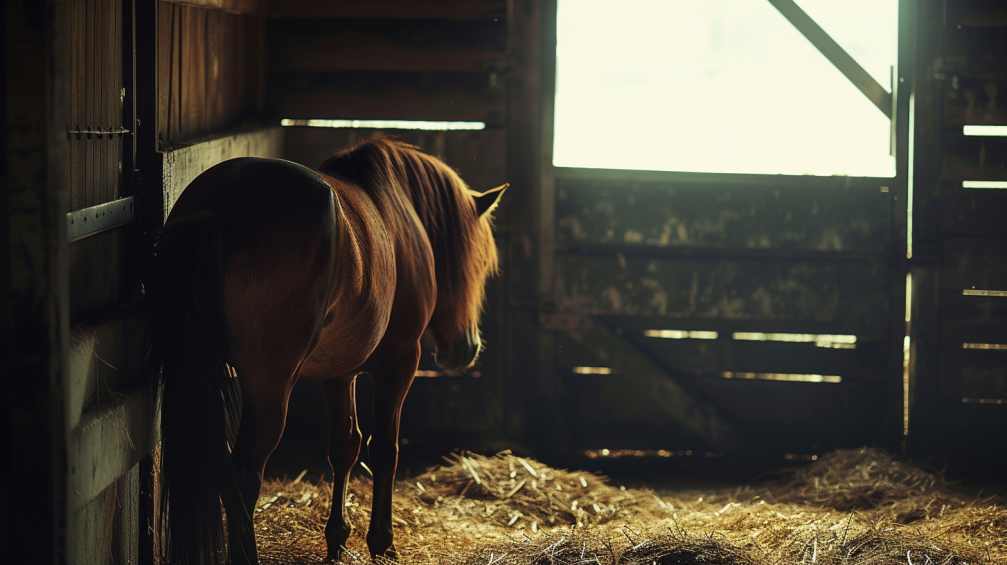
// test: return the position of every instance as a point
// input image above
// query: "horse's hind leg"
(392, 373)
(275, 319)
(344, 448)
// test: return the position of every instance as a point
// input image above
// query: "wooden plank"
(110, 439)
(975, 264)
(967, 212)
(722, 289)
(380, 9)
(976, 51)
(209, 71)
(34, 310)
(714, 357)
(976, 13)
(183, 164)
(802, 417)
(973, 157)
(695, 414)
(386, 45)
(247, 7)
(675, 214)
(975, 100)
(394, 96)
(972, 373)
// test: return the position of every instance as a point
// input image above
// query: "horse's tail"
(188, 351)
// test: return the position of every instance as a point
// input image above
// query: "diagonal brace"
(836, 55)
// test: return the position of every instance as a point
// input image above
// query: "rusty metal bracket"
(836, 54)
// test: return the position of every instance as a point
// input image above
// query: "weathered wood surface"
(632, 368)
(722, 289)
(390, 9)
(973, 157)
(976, 13)
(230, 6)
(967, 212)
(332, 45)
(976, 100)
(184, 164)
(96, 102)
(381, 95)
(682, 214)
(209, 70)
(976, 51)
(698, 358)
(36, 181)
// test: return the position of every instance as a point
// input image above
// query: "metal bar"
(836, 55)
(89, 221)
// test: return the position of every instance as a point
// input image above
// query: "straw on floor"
(850, 507)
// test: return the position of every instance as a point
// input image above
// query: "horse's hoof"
(388, 555)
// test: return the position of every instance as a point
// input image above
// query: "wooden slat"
(672, 214)
(976, 13)
(968, 212)
(693, 413)
(974, 158)
(802, 417)
(379, 9)
(714, 357)
(974, 101)
(399, 96)
(976, 51)
(248, 7)
(386, 45)
(184, 164)
(208, 71)
(722, 289)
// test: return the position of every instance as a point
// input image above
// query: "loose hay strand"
(851, 507)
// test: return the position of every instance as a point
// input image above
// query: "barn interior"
(752, 299)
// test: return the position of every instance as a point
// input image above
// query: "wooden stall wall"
(958, 331)
(209, 69)
(397, 60)
(133, 142)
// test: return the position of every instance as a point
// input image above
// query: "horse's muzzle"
(462, 355)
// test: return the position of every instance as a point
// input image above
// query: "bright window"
(725, 86)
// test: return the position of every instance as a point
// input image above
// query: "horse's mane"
(463, 247)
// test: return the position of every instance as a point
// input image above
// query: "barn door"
(720, 311)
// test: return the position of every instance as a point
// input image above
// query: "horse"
(267, 273)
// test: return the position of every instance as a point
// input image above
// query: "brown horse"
(267, 273)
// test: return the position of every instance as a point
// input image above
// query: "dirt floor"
(851, 507)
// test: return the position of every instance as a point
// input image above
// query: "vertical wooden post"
(36, 200)
(924, 335)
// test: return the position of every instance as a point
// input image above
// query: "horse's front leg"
(392, 375)
(344, 448)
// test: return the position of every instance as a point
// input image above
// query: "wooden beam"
(248, 7)
(333, 45)
(836, 55)
(183, 164)
(34, 313)
(388, 96)
(385, 9)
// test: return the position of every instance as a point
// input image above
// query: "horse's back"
(255, 194)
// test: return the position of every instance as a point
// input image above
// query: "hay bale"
(852, 507)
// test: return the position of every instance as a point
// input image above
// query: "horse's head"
(461, 280)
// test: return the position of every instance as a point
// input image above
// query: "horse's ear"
(487, 201)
